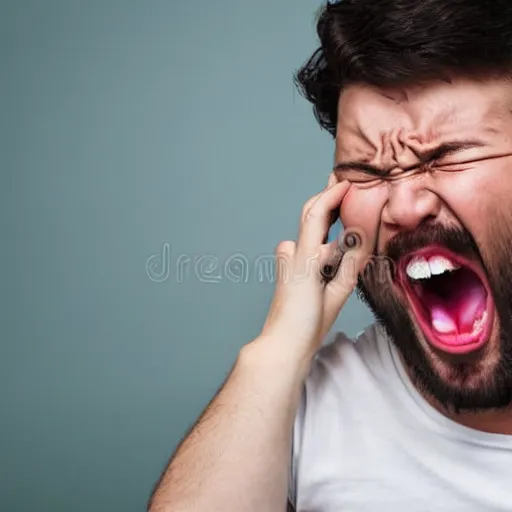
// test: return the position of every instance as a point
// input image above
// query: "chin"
(467, 371)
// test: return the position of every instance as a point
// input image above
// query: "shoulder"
(346, 380)
(347, 373)
(343, 357)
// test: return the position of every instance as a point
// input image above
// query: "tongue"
(472, 307)
(442, 321)
(464, 304)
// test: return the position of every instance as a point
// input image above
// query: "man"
(416, 414)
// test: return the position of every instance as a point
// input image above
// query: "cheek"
(348, 207)
(480, 199)
(477, 197)
(362, 208)
(458, 192)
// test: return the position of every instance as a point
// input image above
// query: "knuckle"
(305, 212)
(313, 213)
(309, 204)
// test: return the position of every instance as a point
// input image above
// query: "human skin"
(237, 455)
(390, 128)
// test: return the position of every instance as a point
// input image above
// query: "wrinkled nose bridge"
(415, 178)
(403, 150)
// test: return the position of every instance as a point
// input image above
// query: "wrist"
(278, 355)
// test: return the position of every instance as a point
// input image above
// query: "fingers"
(332, 180)
(286, 250)
(356, 250)
(330, 259)
(317, 216)
(285, 253)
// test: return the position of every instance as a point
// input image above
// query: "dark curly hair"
(400, 42)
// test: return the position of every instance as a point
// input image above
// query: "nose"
(410, 203)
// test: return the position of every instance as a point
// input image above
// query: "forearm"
(236, 457)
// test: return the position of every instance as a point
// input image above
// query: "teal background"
(129, 128)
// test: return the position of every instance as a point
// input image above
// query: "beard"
(474, 382)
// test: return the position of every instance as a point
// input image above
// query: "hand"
(314, 279)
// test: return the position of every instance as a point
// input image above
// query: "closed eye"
(464, 164)
(450, 167)
(355, 176)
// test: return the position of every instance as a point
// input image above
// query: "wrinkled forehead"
(369, 116)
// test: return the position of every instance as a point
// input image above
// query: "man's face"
(440, 209)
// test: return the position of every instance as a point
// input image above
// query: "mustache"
(382, 268)
(457, 240)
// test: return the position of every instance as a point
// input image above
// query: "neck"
(493, 422)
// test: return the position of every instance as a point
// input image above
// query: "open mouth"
(450, 298)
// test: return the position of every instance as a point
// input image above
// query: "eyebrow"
(440, 151)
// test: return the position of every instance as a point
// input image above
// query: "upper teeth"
(421, 268)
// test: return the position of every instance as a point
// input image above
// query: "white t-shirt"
(366, 440)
